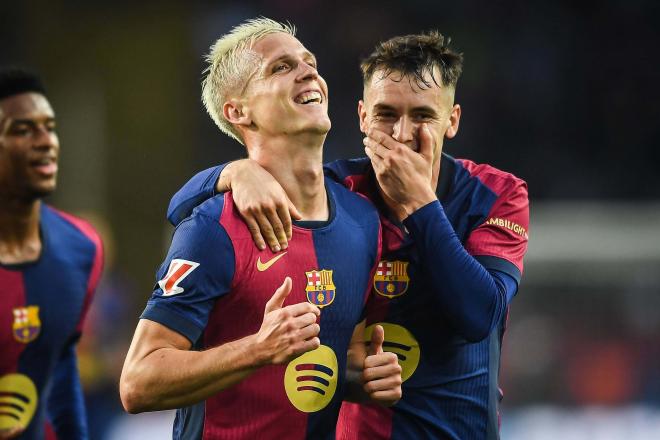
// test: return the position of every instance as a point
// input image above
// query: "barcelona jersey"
(41, 317)
(213, 287)
(450, 386)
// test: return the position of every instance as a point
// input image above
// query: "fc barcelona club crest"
(391, 279)
(27, 325)
(320, 288)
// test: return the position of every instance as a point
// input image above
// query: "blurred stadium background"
(563, 94)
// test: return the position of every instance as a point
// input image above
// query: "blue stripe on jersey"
(351, 267)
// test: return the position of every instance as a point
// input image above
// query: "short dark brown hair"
(415, 57)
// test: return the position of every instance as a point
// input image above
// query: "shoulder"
(204, 218)
(73, 226)
(341, 169)
(498, 181)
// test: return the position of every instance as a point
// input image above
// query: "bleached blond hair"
(231, 61)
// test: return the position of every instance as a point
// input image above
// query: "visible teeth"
(308, 97)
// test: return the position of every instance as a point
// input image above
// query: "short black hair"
(15, 80)
(415, 57)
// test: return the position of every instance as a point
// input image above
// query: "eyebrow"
(306, 55)
(33, 121)
(421, 108)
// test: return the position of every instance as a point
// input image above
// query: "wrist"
(255, 352)
(408, 209)
(224, 179)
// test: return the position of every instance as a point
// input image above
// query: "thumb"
(377, 338)
(425, 142)
(279, 296)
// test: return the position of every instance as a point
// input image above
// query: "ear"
(454, 120)
(362, 114)
(234, 112)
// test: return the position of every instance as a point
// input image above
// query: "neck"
(296, 162)
(19, 231)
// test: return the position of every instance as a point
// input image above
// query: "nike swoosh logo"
(264, 266)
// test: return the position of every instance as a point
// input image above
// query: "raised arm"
(472, 293)
(260, 199)
(162, 372)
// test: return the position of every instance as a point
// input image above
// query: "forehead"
(396, 90)
(26, 106)
(279, 44)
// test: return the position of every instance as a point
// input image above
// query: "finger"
(309, 345)
(381, 369)
(377, 338)
(383, 359)
(305, 319)
(309, 332)
(384, 384)
(376, 148)
(276, 301)
(294, 211)
(278, 228)
(284, 214)
(302, 308)
(389, 397)
(425, 142)
(376, 161)
(267, 232)
(384, 139)
(257, 238)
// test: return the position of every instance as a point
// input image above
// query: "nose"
(307, 72)
(45, 138)
(404, 130)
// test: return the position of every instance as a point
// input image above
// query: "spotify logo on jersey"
(18, 401)
(402, 343)
(310, 380)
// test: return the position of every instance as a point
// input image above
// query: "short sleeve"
(500, 242)
(198, 269)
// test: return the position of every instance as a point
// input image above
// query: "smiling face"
(29, 146)
(398, 106)
(285, 95)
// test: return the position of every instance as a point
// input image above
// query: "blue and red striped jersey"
(442, 290)
(41, 316)
(450, 388)
(213, 287)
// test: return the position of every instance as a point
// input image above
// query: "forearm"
(199, 188)
(173, 378)
(462, 287)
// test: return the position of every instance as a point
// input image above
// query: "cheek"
(384, 126)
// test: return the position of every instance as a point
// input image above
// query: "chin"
(43, 190)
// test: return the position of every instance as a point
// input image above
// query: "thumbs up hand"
(382, 373)
(286, 331)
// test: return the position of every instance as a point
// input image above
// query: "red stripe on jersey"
(256, 407)
(12, 292)
(97, 266)
(504, 232)
(364, 422)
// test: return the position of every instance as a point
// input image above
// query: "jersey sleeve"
(195, 191)
(466, 292)
(199, 269)
(500, 242)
